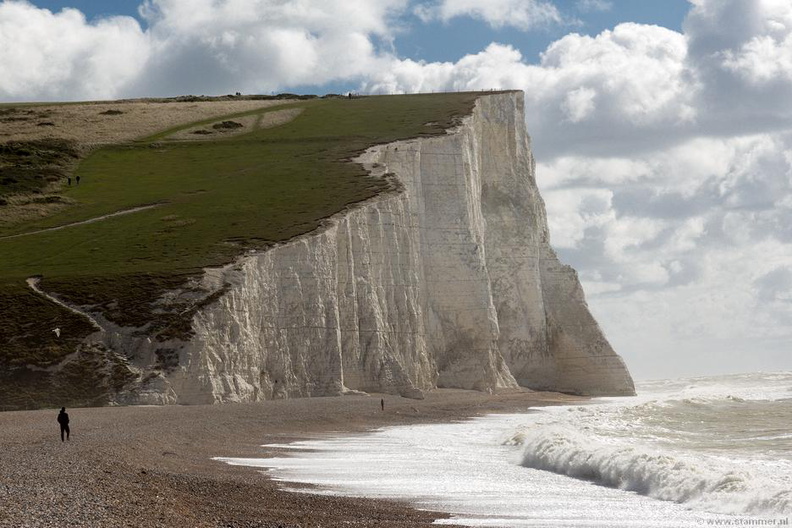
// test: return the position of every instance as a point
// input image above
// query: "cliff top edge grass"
(211, 202)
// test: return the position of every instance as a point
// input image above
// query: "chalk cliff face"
(448, 281)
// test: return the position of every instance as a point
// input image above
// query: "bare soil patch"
(90, 124)
(236, 127)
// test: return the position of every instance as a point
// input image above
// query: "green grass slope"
(213, 201)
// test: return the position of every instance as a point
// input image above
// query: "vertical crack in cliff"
(446, 280)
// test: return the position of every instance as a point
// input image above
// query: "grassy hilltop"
(191, 195)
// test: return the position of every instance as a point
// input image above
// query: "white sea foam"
(467, 469)
(704, 483)
(684, 453)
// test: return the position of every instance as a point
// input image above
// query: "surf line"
(83, 222)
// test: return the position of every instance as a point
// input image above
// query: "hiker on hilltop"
(63, 420)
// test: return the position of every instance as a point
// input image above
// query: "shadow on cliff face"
(89, 377)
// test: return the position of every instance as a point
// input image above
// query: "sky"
(662, 130)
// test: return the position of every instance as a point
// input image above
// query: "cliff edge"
(449, 280)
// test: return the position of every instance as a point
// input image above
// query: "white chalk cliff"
(449, 281)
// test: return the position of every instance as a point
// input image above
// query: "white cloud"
(775, 286)
(728, 319)
(521, 14)
(606, 92)
(52, 56)
(762, 60)
(742, 53)
(571, 211)
(190, 46)
(633, 78)
(701, 228)
(579, 104)
(494, 67)
(594, 5)
(262, 45)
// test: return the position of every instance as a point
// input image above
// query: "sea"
(706, 451)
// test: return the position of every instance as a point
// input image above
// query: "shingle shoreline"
(152, 466)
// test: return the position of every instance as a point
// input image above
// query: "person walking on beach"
(382, 403)
(63, 420)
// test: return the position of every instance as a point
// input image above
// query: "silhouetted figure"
(78, 180)
(69, 179)
(63, 420)
(382, 403)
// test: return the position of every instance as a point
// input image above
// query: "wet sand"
(152, 466)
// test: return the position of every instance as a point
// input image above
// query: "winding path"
(33, 282)
(83, 222)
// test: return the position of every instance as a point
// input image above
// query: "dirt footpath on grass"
(152, 466)
(86, 126)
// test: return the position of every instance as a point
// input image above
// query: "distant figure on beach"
(78, 180)
(69, 179)
(382, 403)
(63, 420)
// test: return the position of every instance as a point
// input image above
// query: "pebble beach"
(152, 466)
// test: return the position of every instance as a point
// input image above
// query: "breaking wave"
(702, 483)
